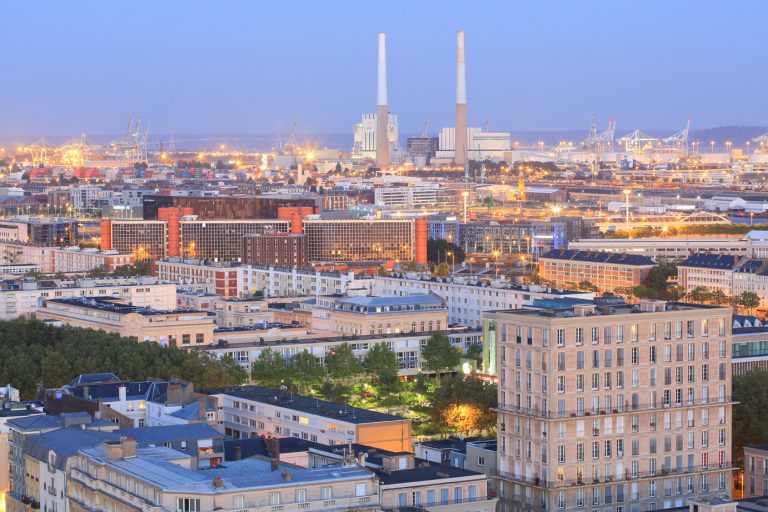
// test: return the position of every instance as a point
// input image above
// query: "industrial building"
(228, 207)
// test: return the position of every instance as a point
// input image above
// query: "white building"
(25, 297)
(365, 139)
(467, 301)
(406, 346)
(664, 248)
(422, 196)
(274, 281)
(480, 145)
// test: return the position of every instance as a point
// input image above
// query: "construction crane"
(40, 151)
(637, 142)
(762, 142)
(132, 145)
(679, 140)
(602, 141)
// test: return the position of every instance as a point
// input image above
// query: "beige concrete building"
(607, 271)
(755, 471)
(25, 297)
(613, 405)
(252, 411)
(230, 312)
(357, 315)
(181, 328)
(119, 476)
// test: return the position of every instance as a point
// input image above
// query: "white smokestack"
(382, 110)
(460, 149)
(461, 73)
(381, 89)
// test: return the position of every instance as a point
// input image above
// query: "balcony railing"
(439, 503)
(538, 413)
(626, 476)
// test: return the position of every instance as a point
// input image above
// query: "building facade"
(284, 249)
(612, 405)
(606, 271)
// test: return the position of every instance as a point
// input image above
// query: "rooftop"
(425, 471)
(307, 405)
(612, 258)
(710, 260)
(153, 465)
(107, 304)
(166, 433)
(366, 305)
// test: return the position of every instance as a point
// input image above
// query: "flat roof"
(109, 304)
(330, 410)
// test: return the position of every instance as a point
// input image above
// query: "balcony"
(538, 413)
(626, 476)
(487, 504)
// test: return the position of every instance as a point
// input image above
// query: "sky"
(257, 66)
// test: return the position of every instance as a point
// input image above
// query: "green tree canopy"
(33, 353)
(438, 249)
(305, 371)
(381, 363)
(341, 364)
(269, 369)
(749, 425)
(465, 405)
(749, 300)
(439, 354)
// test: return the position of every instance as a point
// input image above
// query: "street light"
(453, 261)
(496, 258)
(626, 205)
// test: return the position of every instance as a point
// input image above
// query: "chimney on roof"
(121, 391)
(238, 452)
(201, 409)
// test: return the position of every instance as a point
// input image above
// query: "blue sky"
(256, 66)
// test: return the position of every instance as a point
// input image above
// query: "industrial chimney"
(460, 155)
(382, 112)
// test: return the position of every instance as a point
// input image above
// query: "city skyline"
(246, 72)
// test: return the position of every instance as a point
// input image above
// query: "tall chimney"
(382, 112)
(460, 156)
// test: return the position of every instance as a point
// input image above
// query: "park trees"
(439, 354)
(465, 405)
(750, 390)
(381, 363)
(270, 369)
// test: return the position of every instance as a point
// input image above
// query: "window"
(326, 493)
(199, 338)
(188, 505)
(300, 496)
(579, 335)
(481, 461)
(186, 339)
(274, 498)
(561, 337)
(360, 489)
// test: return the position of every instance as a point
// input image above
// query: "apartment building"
(663, 248)
(613, 405)
(252, 411)
(217, 278)
(162, 479)
(230, 312)
(423, 196)
(63, 260)
(755, 471)
(380, 315)
(276, 281)
(465, 298)
(406, 346)
(285, 249)
(705, 270)
(174, 327)
(25, 297)
(607, 271)
(47, 231)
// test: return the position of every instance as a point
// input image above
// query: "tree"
(382, 272)
(587, 286)
(749, 425)
(475, 351)
(719, 297)
(749, 300)
(465, 405)
(270, 369)
(438, 249)
(305, 371)
(656, 280)
(341, 364)
(700, 294)
(381, 363)
(439, 354)
(443, 270)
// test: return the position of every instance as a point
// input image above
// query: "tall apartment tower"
(610, 407)
(382, 110)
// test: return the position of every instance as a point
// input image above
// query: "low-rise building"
(606, 271)
(755, 470)
(252, 411)
(710, 271)
(230, 312)
(468, 298)
(380, 315)
(162, 479)
(25, 297)
(664, 248)
(174, 327)
(223, 279)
